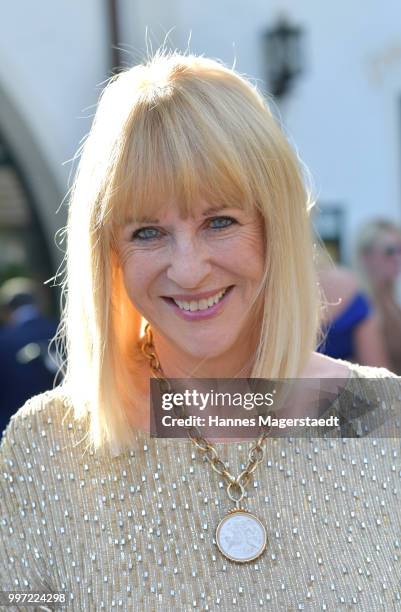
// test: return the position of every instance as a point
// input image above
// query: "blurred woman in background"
(378, 262)
(351, 325)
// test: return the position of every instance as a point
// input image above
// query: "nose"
(189, 264)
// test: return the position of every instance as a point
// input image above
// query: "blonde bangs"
(175, 151)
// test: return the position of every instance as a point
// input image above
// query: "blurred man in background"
(26, 365)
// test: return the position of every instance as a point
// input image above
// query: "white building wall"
(144, 25)
(53, 54)
(344, 114)
(52, 57)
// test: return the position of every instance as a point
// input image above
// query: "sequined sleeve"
(22, 521)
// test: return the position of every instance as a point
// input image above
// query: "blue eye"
(146, 233)
(221, 222)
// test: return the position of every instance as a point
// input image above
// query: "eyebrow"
(209, 211)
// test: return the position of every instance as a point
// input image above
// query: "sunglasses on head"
(392, 249)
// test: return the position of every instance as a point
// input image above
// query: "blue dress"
(339, 342)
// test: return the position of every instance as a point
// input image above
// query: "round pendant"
(241, 536)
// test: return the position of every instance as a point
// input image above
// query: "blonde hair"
(205, 132)
(371, 230)
(365, 240)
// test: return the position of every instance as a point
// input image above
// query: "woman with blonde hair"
(351, 326)
(377, 260)
(190, 215)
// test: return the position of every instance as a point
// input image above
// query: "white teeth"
(193, 306)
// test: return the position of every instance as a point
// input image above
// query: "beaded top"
(136, 531)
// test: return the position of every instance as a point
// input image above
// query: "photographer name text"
(260, 421)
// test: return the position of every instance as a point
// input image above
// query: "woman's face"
(383, 261)
(194, 279)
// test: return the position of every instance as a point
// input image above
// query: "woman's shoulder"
(371, 401)
(46, 418)
(362, 390)
(362, 371)
(323, 366)
(39, 409)
(39, 402)
(372, 382)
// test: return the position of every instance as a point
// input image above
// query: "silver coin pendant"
(241, 536)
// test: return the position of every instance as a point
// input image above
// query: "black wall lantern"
(283, 52)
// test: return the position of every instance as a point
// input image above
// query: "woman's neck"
(237, 362)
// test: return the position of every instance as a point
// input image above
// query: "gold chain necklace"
(240, 535)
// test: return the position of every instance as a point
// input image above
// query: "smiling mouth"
(197, 305)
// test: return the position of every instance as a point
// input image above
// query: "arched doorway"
(29, 198)
(24, 250)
